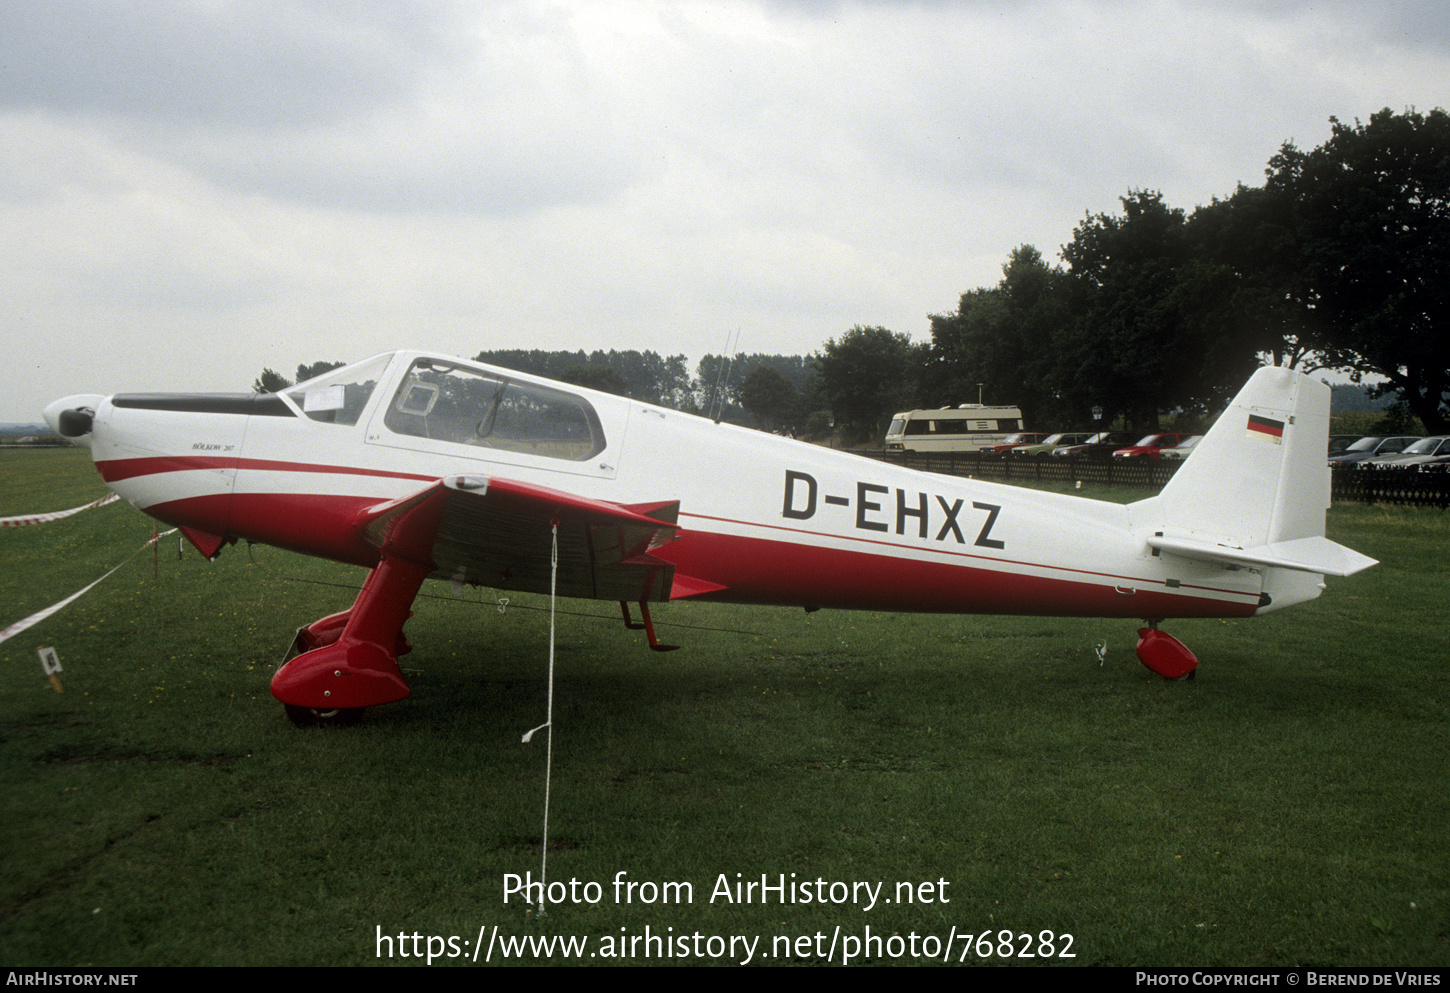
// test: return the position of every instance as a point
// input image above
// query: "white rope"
(26, 520)
(548, 723)
(36, 618)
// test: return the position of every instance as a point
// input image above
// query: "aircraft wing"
(499, 533)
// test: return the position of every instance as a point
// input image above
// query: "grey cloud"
(285, 62)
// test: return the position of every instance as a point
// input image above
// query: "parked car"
(1013, 440)
(1149, 446)
(1420, 452)
(1049, 443)
(1339, 442)
(1181, 451)
(1368, 448)
(1099, 446)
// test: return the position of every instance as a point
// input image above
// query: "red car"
(1151, 445)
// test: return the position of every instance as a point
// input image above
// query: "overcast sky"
(191, 191)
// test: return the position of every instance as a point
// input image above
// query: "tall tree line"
(1340, 260)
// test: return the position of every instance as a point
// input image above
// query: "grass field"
(1288, 806)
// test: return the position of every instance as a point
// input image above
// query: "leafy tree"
(1267, 302)
(595, 377)
(1138, 342)
(719, 380)
(648, 376)
(769, 397)
(1000, 342)
(1371, 211)
(866, 376)
(270, 382)
(651, 377)
(717, 385)
(306, 372)
(536, 362)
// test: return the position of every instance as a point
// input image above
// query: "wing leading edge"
(499, 533)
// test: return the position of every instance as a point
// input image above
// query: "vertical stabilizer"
(1261, 474)
(1254, 492)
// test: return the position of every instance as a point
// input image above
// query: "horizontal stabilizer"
(1313, 554)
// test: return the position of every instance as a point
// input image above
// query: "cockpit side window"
(446, 402)
(339, 396)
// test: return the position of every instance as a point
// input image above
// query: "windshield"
(339, 396)
(1425, 446)
(1364, 445)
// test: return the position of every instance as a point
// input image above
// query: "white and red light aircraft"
(416, 465)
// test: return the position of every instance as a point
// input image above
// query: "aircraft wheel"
(311, 717)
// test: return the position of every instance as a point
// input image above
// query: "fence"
(1409, 486)
(1007, 469)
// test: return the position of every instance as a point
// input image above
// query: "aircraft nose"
(73, 417)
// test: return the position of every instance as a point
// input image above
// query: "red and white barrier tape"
(28, 519)
(39, 616)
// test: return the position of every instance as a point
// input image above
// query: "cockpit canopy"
(452, 401)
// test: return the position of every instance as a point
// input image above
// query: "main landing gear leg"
(351, 658)
(647, 625)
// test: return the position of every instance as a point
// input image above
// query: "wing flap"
(499, 533)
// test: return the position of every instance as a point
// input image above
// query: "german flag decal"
(1266, 428)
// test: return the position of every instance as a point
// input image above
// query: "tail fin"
(1254, 492)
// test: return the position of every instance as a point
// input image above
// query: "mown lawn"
(1286, 807)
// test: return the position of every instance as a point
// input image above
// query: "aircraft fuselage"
(762, 519)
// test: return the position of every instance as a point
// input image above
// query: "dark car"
(1099, 446)
(1422, 451)
(1049, 443)
(1368, 448)
(1339, 442)
(1013, 440)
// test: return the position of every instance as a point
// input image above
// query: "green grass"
(1286, 807)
